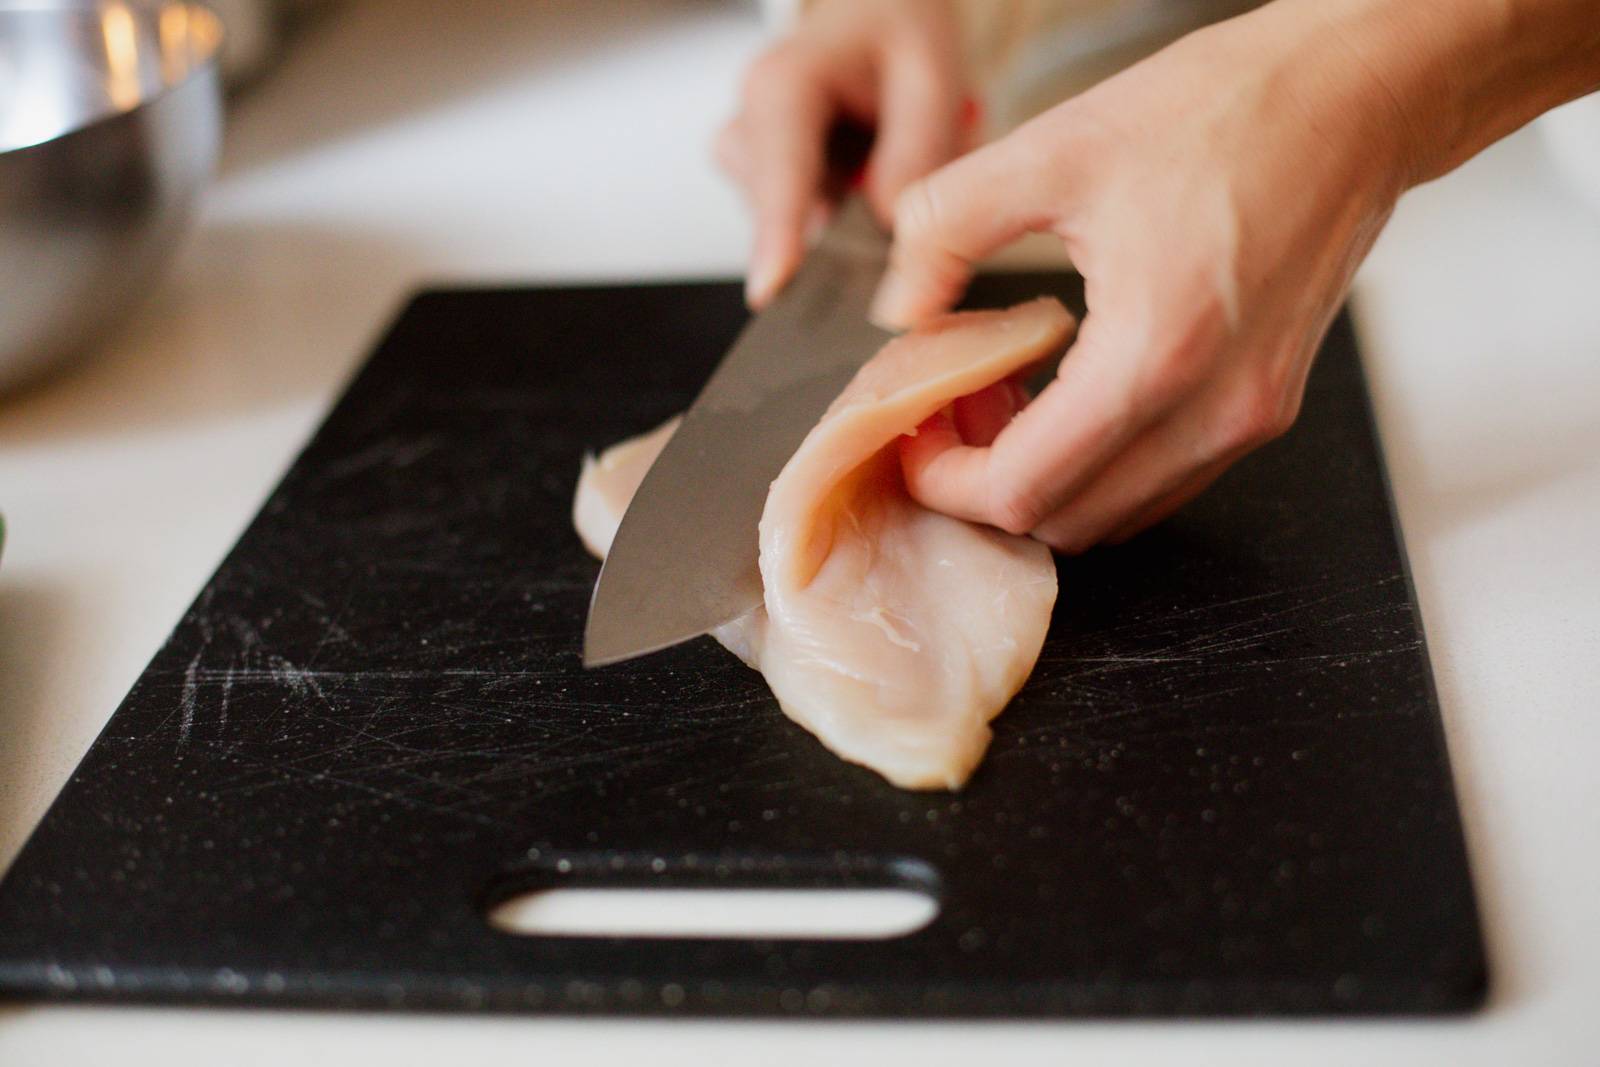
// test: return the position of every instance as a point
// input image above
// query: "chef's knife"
(684, 559)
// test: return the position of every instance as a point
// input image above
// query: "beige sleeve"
(992, 31)
(995, 32)
(1024, 55)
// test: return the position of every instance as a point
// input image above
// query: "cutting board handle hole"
(594, 896)
(746, 914)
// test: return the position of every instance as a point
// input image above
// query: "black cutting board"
(1224, 790)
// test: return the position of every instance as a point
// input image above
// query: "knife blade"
(684, 560)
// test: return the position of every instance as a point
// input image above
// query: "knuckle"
(1184, 351)
(1064, 541)
(1171, 373)
(1288, 412)
(727, 147)
(1015, 508)
(1068, 140)
(774, 69)
(920, 246)
(921, 69)
(1255, 416)
(916, 212)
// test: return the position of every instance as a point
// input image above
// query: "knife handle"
(850, 146)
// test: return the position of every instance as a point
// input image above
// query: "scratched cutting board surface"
(1224, 790)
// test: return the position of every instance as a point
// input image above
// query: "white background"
(562, 140)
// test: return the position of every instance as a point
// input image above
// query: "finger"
(1166, 506)
(817, 220)
(934, 437)
(729, 151)
(980, 417)
(1155, 464)
(1053, 447)
(946, 222)
(787, 115)
(919, 125)
(1160, 465)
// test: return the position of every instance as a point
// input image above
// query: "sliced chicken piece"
(608, 482)
(891, 632)
(606, 486)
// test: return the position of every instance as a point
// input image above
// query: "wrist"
(1437, 81)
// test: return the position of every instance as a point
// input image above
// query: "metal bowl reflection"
(110, 117)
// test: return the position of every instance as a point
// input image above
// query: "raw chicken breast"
(891, 632)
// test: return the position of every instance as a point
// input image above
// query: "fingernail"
(817, 220)
(889, 303)
(761, 281)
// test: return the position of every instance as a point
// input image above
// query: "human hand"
(893, 65)
(1217, 199)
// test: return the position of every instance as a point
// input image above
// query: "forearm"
(1451, 77)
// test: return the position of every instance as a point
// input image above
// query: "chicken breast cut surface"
(891, 632)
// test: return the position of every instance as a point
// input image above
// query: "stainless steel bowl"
(110, 117)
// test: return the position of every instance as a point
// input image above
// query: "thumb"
(948, 221)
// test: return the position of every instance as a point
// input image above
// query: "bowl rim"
(206, 65)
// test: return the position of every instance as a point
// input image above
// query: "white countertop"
(398, 146)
